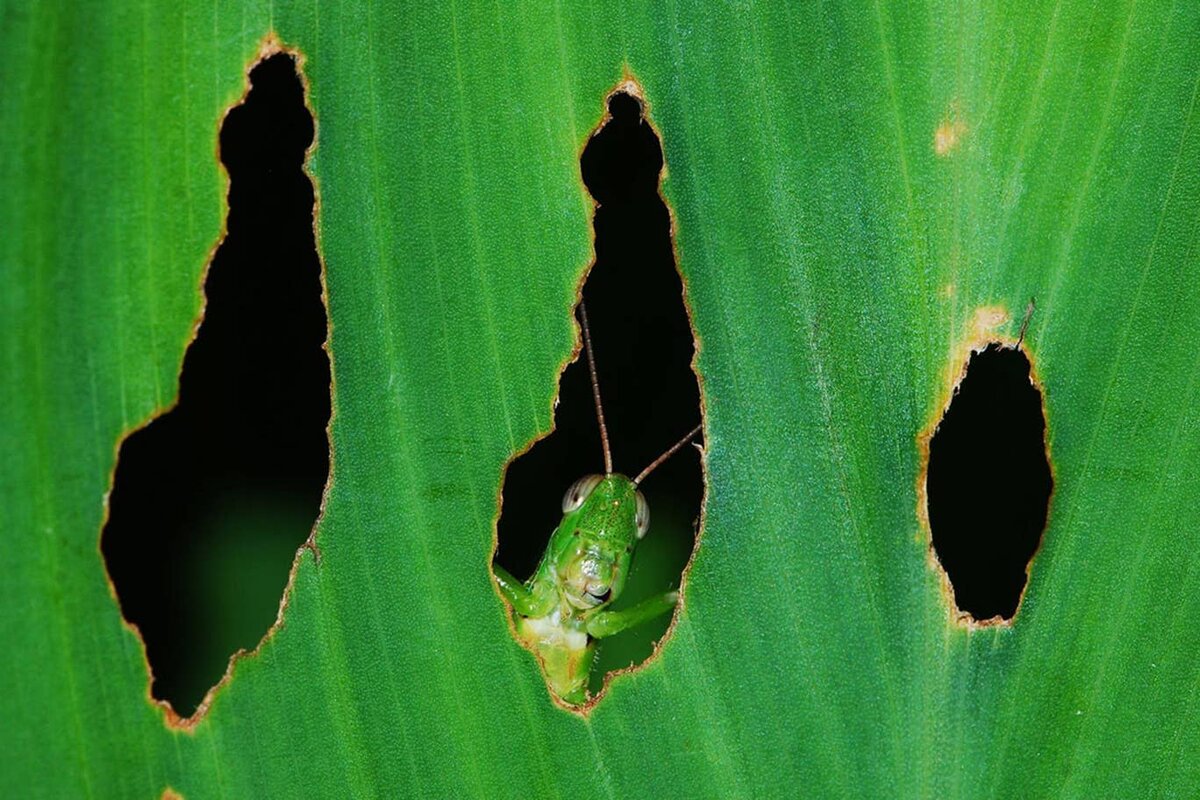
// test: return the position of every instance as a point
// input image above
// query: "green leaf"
(835, 262)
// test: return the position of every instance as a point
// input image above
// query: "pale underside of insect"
(564, 607)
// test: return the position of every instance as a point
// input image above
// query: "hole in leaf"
(211, 500)
(989, 483)
(643, 348)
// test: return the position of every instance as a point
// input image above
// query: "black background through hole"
(211, 500)
(643, 349)
(989, 483)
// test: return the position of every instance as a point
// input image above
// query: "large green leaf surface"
(836, 250)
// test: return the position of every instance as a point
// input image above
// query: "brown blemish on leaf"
(983, 328)
(269, 46)
(170, 794)
(628, 85)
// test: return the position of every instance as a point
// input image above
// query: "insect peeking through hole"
(565, 606)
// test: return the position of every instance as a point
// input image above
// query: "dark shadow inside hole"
(211, 500)
(643, 349)
(989, 483)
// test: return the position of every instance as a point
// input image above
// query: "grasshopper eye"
(642, 517)
(579, 492)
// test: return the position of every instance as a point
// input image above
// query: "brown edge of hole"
(270, 45)
(630, 85)
(983, 332)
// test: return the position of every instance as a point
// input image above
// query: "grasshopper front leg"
(525, 602)
(607, 623)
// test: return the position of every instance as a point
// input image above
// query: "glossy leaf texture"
(850, 184)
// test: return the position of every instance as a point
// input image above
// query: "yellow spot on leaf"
(988, 319)
(950, 132)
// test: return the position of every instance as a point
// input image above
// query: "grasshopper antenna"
(1025, 325)
(674, 449)
(591, 359)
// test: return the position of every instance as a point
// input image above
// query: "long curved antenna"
(587, 345)
(674, 449)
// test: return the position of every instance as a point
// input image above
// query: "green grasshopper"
(563, 608)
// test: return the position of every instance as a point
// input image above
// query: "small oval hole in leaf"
(988, 485)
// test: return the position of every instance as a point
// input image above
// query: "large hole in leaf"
(643, 348)
(211, 500)
(989, 483)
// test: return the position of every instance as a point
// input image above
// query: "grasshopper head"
(604, 517)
